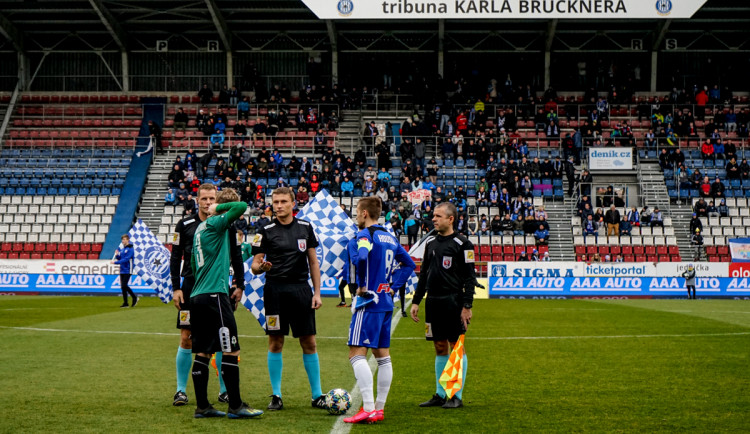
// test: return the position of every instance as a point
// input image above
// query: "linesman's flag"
(332, 227)
(151, 260)
(452, 377)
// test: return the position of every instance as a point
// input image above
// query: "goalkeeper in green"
(212, 312)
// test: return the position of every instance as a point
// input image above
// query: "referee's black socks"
(230, 371)
(200, 381)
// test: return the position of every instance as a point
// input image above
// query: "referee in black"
(448, 277)
(179, 266)
(285, 251)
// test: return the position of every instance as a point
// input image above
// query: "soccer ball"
(338, 401)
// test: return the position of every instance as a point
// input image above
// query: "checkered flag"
(332, 227)
(151, 260)
(411, 284)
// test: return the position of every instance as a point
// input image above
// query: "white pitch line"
(397, 318)
(341, 427)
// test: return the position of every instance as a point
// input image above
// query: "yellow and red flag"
(452, 377)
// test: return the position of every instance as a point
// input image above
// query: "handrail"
(9, 111)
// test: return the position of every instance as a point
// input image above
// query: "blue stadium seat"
(106, 191)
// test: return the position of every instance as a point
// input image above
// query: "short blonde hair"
(227, 195)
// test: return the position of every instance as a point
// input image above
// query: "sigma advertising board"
(610, 280)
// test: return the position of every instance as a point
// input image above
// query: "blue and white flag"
(411, 284)
(151, 260)
(332, 227)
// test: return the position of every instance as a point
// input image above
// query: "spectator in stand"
(730, 122)
(701, 208)
(625, 227)
(695, 223)
(733, 169)
(154, 132)
(712, 211)
(368, 187)
(205, 94)
(180, 120)
(705, 187)
(744, 169)
(483, 227)
(170, 198)
(719, 150)
(495, 225)
(590, 227)
(259, 131)
(634, 217)
(369, 134)
(717, 188)
(240, 131)
(541, 236)
(540, 121)
(176, 177)
(612, 220)
(243, 109)
(723, 208)
(657, 219)
(347, 187)
(320, 142)
(217, 141)
(697, 240)
(552, 130)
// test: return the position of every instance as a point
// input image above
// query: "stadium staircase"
(654, 190)
(350, 127)
(561, 239)
(152, 201)
(681, 215)
(153, 109)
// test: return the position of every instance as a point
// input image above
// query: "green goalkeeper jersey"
(211, 250)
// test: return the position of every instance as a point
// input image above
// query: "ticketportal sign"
(503, 9)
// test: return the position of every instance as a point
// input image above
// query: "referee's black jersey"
(285, 247)
(182, 250)
(447, 268)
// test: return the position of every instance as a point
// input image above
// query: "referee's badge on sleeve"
(176, 238)
(272, 322)
(447, 262)
(469, 256)
(302, 245)
(428, 330)
(257, 238)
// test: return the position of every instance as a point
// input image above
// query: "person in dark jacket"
(124, 258)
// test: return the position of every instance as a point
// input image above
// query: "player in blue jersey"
(377, 254)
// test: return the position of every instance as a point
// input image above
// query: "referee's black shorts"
(443, 317)
(183, 315)
(289, 305)
(209, 314)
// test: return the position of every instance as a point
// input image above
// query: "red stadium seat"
(580, 250)
(674, 250)
(661, 250)
(604, 250)
(640, 258)
(28, 247)
(36, 256)
(509, 258)
(638, 250)
(13, 255)
(508, 249)
(48, 256)
(63, 248)
(85, 247)
(3, 255)
(93, 256)
(722, 250)
(70, 256)
(74, 247)
(59, 256)
(24, 255)
(710, 250)
(485, 250)
(628, 258)
(17, 247)
(6, 247)
(497, 249)
(590, 250)
(650, 250)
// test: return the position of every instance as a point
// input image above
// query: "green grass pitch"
(82, 364)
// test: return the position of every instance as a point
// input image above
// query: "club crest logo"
(345, 7)
(663, 7)
(272, 322)
(157, 262)
(302, 245)
(447, 262)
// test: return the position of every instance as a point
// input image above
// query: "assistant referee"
(285, 251)
(448, 277)
(181, 271)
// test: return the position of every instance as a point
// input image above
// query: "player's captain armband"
(364, 242)
(176, 238)
(428, 330)
(469, 256)
(257, 238)
(272, 322)
(184, 317)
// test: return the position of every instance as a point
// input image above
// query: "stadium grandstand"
(113, 111)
